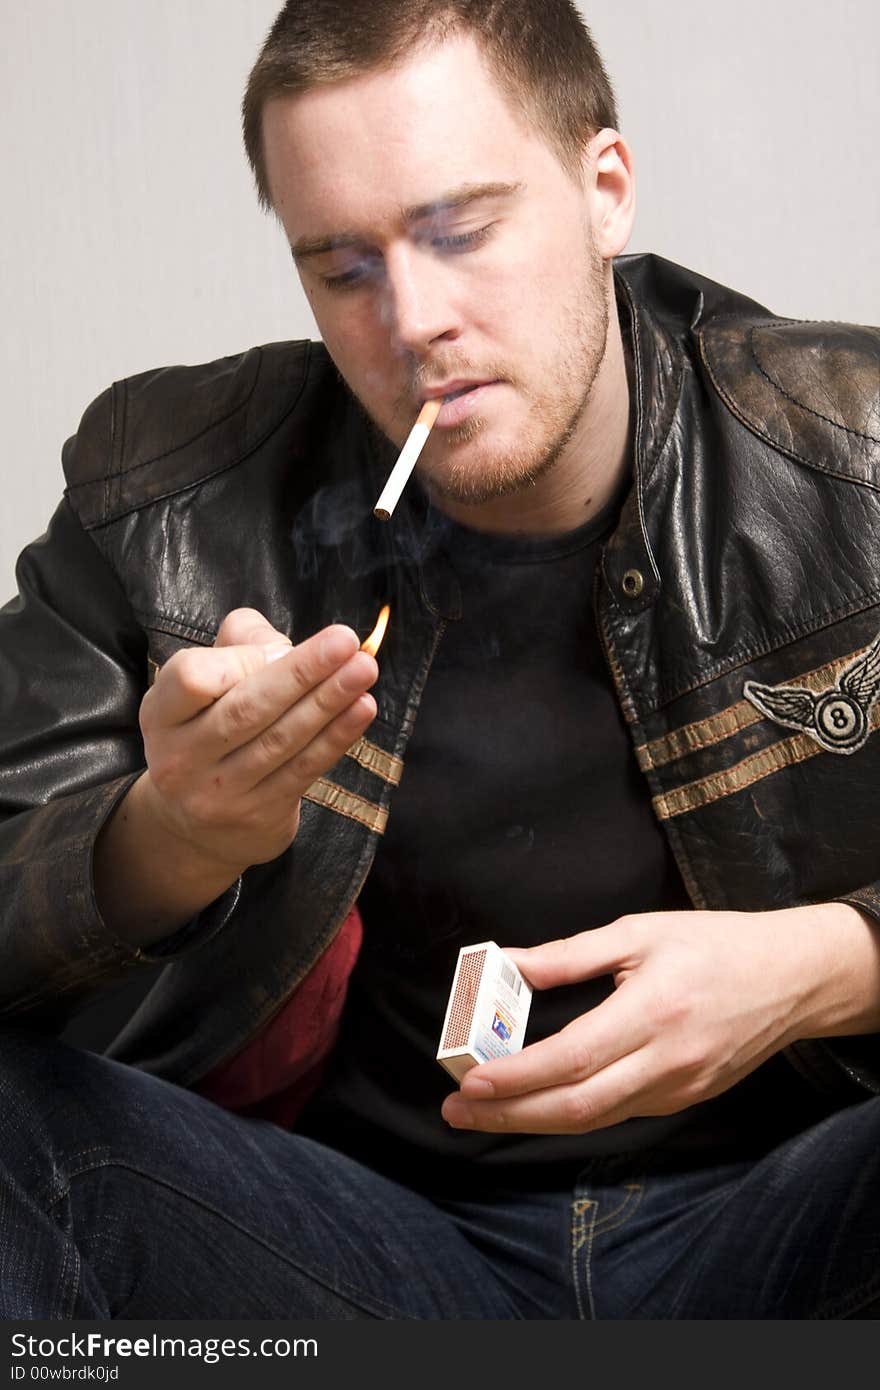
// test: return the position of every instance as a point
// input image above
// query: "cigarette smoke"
(339, 518)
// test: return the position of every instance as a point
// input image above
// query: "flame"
(372, 643)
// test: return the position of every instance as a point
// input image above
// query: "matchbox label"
(497, 1039)
(501, 1032)
(486, 1046)
(502, 1026)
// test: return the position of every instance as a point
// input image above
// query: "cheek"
(506, 315)
(514, 293)
(359, 346)
(546, 264)
(491, 302)
(345, 333)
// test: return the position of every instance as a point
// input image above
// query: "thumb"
(193, 678)
(570, 959)
(248, 627)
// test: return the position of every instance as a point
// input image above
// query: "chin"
(484, 480)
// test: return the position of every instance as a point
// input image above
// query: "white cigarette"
(397, 478)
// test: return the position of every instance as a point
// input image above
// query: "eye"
(368, 268)
(342, 282)
(463, 241)
(349, 279)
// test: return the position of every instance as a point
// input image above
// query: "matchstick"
(397, 478)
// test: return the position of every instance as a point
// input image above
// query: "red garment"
(277, 1071)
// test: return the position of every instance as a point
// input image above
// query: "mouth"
(451, 389)
(460, 400)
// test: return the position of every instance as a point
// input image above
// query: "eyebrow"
(306, 247)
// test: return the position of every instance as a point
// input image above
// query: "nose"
(419, 302)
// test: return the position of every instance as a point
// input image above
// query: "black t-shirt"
(521, 817)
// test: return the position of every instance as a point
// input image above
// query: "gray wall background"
(132, 238)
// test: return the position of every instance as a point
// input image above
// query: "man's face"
(443, 248)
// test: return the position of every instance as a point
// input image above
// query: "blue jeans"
(122, 1196)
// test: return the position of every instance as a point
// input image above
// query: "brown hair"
(540, 52)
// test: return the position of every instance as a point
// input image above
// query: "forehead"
(392, 138)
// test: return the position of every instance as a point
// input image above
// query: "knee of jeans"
(39, 1082)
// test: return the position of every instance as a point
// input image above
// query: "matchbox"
(487, 1011)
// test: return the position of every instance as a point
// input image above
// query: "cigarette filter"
(487, 1011)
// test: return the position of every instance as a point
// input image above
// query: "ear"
(610, 181)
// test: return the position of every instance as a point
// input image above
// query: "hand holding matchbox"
(487, 1012)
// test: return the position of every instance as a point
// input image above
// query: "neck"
(587, 473)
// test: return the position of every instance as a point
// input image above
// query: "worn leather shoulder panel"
(160, 431)
(811, 390)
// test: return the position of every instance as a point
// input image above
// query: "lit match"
(397, 478)
(372, 643)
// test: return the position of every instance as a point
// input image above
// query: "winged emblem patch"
(837, 718)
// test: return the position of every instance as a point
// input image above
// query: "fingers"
(259, 726)
(583, 1048)
(614, 1094)
(294, 776)
(572, 959)
(197, 678)
(219, 723)
(247, 627)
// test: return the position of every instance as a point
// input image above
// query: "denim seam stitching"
(588, 1258)
(70, 1248)
(622, 1213)
(345, 1292)
(581, 1238)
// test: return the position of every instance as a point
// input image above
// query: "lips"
(464, 400)
(452, 389)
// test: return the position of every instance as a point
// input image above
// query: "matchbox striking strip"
(487, 1011)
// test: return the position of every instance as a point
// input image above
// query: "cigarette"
(372, 643)
(397, 478)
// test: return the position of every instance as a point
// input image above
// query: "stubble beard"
(554, 418)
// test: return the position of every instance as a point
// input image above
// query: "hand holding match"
(406, 462)
(234, 734)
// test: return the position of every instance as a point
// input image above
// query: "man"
(631, 675)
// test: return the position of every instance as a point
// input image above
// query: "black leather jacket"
(739, 602)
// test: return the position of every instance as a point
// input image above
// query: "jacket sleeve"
(854, 1059)
(72, 674)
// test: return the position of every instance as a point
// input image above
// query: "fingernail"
(274, 650)
(476, 1087)
(458, 1116)
(337, 645)
(351, 679)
